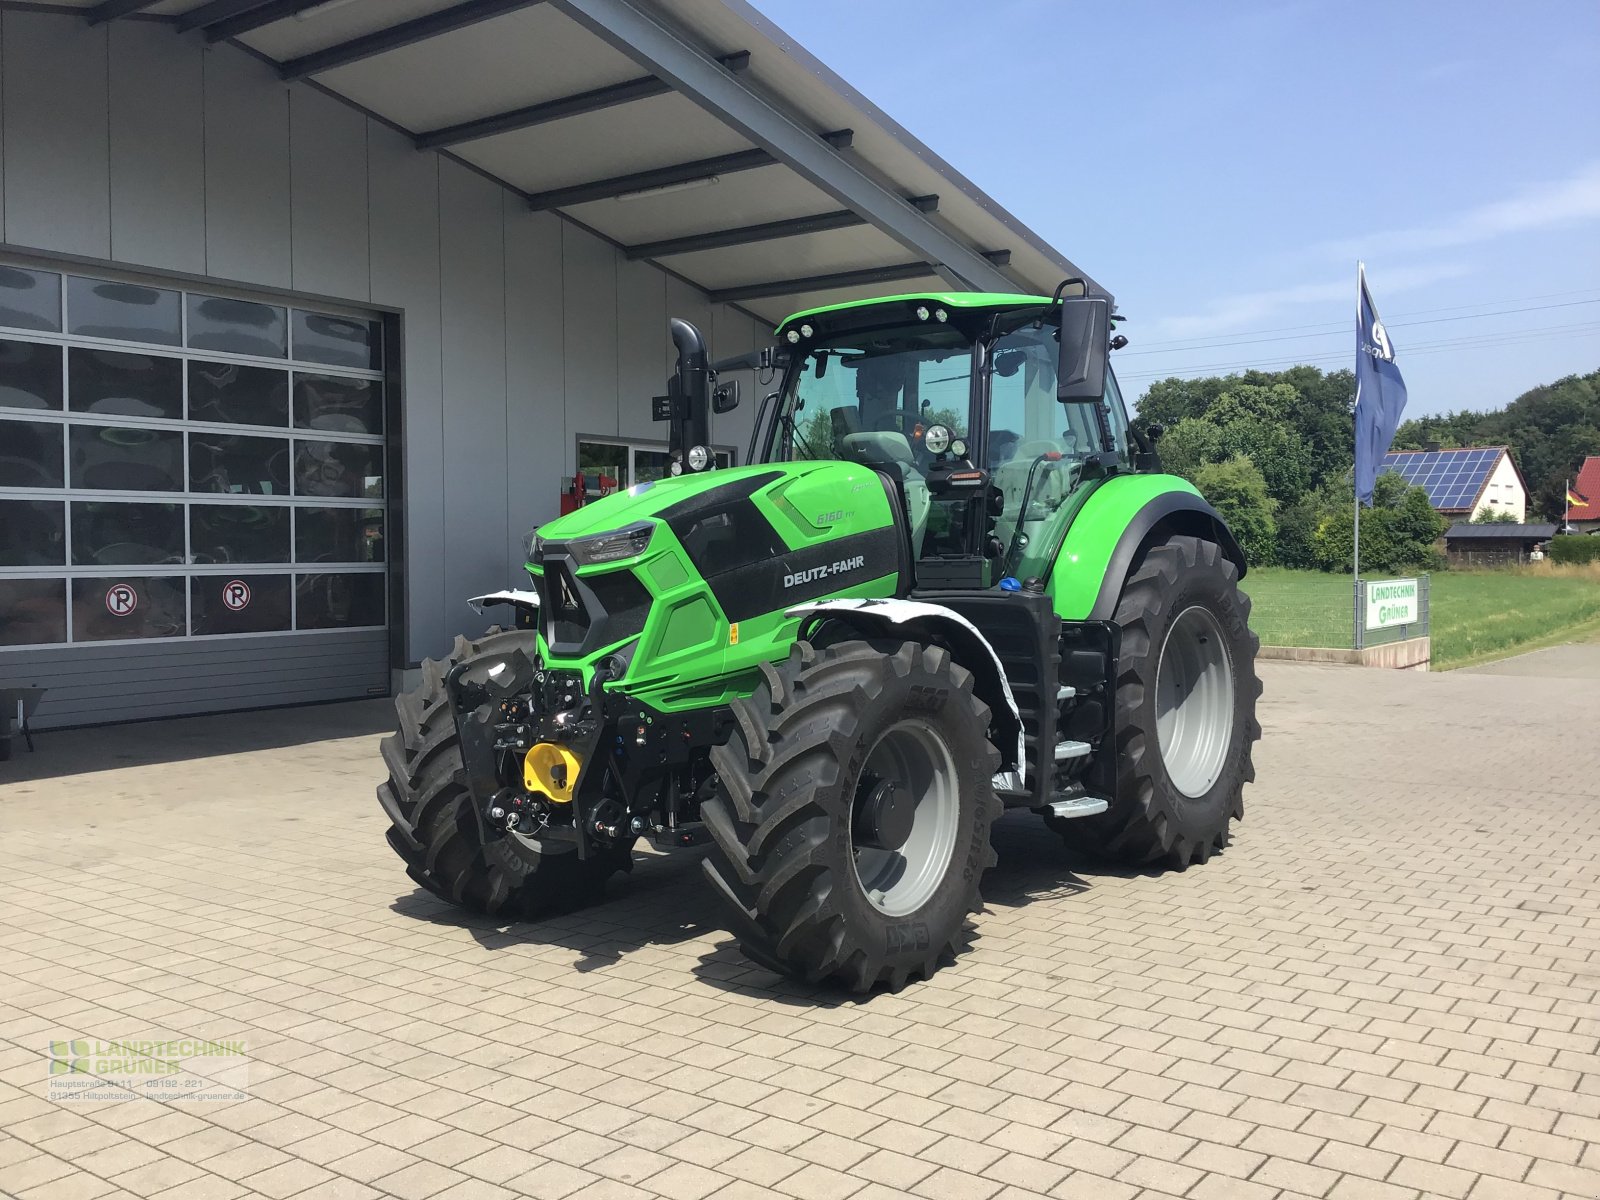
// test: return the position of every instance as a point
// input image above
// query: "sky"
(1221, 167)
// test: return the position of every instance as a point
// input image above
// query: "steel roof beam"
(255, 17)
(546, 111)
(406, 33)
(767, 231)
(663, 177)
(110, 10)
(821, 283)
(216, 10)
(663, 52)
(746, 235)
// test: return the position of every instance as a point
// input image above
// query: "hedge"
(1575, 548)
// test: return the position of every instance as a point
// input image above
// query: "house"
(1464, 483)
(1585, 518)
(1494, 545)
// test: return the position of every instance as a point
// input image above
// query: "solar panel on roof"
(1453, 478)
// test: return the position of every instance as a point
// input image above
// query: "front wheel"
(851, 827)
(1185, 713)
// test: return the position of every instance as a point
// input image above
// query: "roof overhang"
(693, 134)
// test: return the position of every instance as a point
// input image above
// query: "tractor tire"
(434, 829)
(1185, 712)
(850, 829)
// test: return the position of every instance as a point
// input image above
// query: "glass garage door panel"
(335, 601)
(125, 607)
(116, 533)
(238, 464)
(236, 394)
(124, 459)
(30, 454)
(33, 611)
(124, 312)
(33, 533)
(111, 383)
(30, 375)
(30, 299)
(224, 533)
(240, 604)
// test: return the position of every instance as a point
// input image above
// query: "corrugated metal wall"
(132, 144)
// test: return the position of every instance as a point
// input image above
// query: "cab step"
(1076, 806)
(1069, 749)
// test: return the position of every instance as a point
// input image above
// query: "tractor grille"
(579, 615)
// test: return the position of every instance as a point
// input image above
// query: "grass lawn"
(1477, 615)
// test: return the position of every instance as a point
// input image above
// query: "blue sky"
(1247, 154)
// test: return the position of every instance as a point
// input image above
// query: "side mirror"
(1081, 371)
(725, 396)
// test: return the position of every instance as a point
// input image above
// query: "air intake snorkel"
(689, 392)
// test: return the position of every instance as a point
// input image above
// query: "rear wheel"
(1185, 718)
(434, 829)
(851, 828)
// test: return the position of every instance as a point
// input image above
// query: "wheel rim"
(898, 882)
(1194, 701)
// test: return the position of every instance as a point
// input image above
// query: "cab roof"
(946, 299)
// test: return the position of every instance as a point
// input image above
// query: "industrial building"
(310, 309)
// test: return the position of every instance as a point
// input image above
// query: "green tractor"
(951, 581)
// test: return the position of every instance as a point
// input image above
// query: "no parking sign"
(236, 595)
(121, 599)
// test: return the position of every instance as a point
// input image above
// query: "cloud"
(1546, 205)
(1228, 314)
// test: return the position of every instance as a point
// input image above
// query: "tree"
(1311, 410)
(1238, 492)
(1494, 516)
(1397, 533)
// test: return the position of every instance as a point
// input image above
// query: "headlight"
(699, 458)
(937, 439)
(530, 543)
(609, 547)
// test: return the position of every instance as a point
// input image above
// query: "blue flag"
(1380, 392)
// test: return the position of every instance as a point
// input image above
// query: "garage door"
(192, 498)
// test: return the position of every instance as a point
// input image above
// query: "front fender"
(525, 605)
(913, 618)
(1118, 520)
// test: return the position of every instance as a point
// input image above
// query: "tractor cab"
(959, 399)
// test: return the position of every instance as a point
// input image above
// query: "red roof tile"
(1587, 485)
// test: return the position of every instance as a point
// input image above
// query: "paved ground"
(1579, 661)
(1386, 987)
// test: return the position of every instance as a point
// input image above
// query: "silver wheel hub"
(1194, 701)
(904, 817)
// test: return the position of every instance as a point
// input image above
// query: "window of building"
(608, 464)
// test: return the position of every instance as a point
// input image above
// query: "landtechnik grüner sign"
(1391, 602)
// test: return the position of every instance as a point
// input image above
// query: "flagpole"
(1355, 485)
(1566, 505)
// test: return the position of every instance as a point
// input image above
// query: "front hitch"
(509, 707)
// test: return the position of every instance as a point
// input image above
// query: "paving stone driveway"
(1386, 987)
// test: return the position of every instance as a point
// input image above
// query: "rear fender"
(917, 620)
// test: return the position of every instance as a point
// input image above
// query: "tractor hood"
(652, 499)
